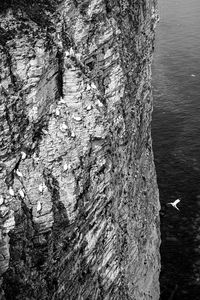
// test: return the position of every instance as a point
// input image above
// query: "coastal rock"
(87, 223)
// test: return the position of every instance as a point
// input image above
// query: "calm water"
(176, 141)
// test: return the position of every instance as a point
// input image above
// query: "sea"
(176, 144)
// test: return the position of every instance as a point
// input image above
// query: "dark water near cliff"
(176, 141)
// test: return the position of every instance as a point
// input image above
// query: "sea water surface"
(176, 143)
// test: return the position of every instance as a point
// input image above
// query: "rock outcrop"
(79, 210)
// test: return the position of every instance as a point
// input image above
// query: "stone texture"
(79, 210)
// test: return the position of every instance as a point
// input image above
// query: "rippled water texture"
(176, 141)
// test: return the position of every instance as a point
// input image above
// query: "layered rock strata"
(79, 210)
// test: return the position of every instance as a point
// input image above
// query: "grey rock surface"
(79, 208)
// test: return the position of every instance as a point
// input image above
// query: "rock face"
(79, 210)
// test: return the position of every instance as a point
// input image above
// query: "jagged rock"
(77, 69)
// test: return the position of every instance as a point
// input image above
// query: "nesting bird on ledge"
(39, 207)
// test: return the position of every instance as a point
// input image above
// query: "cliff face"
(79, 200)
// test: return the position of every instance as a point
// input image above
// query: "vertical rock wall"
(79, 210)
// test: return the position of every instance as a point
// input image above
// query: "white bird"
(23, 154)
(19, 173)
(77, 118)
(57, 111)
(67, 53)
(63, 127)
(99, 103)
(73, 134)
(65, 167)
(44, 131)
(174, 204)
(21, 193)
(42, 187)
(71, 51)
(1, 200)
(78, 56)
(89, 107)
(39, 206)
(11, 191)
(88, 87)
(93, 86)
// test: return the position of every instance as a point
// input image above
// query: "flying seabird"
(174, 204)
